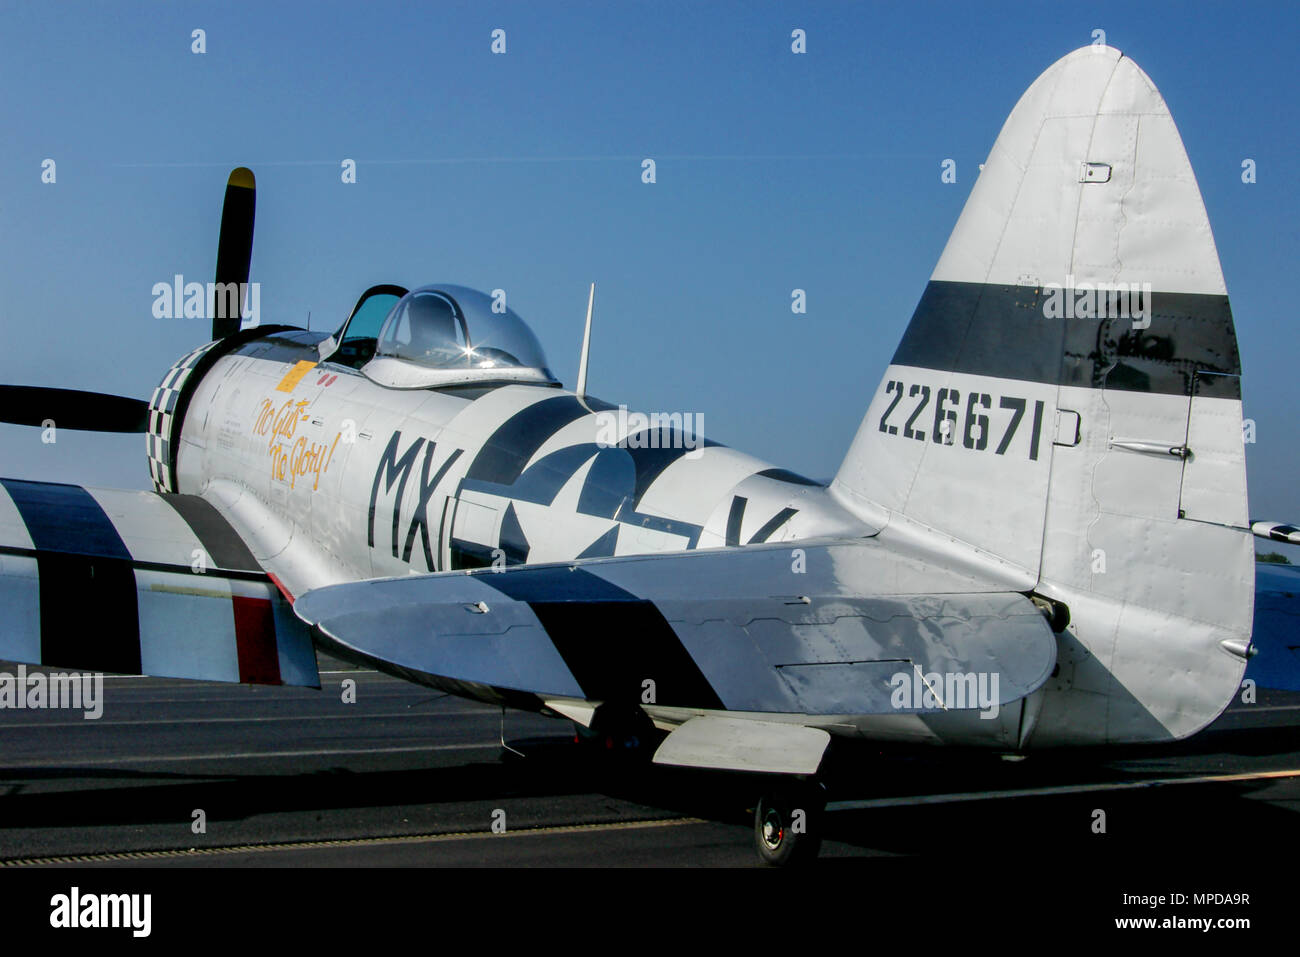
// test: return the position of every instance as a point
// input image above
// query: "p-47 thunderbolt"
(1038, 538)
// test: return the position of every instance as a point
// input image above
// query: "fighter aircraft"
(1038, 538)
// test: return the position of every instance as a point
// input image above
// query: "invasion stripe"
(785, 475)
(1276, 531)
(219, 540)
(256, 646)
(66, 519)
(554, 584)
(651, 461)
(613, 647)
(610, 640)
(89, 613)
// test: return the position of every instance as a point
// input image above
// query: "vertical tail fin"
(1066, 399)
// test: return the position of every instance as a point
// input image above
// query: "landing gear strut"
(622, 732)
(788, 823)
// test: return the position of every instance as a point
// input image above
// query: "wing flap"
(140, 583)
(739, 744)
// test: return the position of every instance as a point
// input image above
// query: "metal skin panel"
(20, 598)
(508, 649)
(787, 572)
(1214, 477)
(1025, 208)
(19, 591)
(811, 657)
(296, 651)
(152, 530)
(13, 531)
(896, 462)
(748, 514)
(1152, 596)
(185, 627)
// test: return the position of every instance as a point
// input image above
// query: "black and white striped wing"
(140, 583)
(818, 630)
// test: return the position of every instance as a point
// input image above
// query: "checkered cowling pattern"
(158, 439)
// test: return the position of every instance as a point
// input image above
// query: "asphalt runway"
(408, 777)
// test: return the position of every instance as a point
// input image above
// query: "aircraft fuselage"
(388, 482)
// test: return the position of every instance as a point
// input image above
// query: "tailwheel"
(788, 824)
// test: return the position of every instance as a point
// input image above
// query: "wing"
(140, 583)
(797, 636)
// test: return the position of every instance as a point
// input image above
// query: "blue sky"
(522, 172)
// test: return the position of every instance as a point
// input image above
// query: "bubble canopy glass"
(450, 335)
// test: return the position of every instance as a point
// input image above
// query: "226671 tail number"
(947, 420)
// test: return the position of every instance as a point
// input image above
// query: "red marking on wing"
(259, 658)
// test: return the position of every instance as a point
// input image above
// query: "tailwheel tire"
(787, 825)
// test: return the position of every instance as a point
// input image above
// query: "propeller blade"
(235, 245)
(71, 409)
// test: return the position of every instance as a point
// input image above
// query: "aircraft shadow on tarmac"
(574, 784)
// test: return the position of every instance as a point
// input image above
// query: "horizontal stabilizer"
(1277, 532)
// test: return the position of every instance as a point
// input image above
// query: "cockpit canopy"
(444, 335)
